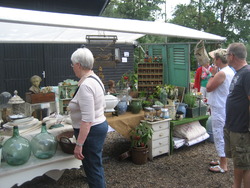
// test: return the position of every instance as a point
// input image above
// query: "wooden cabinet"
(160, 142)
(66, 93)
(149, 76)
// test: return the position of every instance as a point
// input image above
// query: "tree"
(229, 18)
(134, 9)
(138, 10)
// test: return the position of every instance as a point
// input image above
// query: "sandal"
(216, 169)
(214, 163)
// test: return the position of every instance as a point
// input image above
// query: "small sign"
(126, 54)
(124, 60)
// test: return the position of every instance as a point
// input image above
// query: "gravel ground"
(186, 168)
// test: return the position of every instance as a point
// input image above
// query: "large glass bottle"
(44, 144)
(16, 150)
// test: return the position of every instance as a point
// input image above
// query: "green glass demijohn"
(44, 144)
(16, 150)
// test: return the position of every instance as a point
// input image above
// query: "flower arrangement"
(140, 135)
(128, 79)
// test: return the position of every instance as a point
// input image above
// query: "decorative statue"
(111, 85)
(35, 81)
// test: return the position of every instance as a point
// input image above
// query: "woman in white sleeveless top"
(218, 86)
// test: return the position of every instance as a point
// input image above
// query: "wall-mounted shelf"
(149, 76)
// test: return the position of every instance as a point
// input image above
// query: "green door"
(177, 72)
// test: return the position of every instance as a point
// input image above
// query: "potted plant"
(167, 93)
(129, 81)
(193, 110)
(190, 100)
(139, 137)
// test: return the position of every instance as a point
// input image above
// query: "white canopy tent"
(28, 26)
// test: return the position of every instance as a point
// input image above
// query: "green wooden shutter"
(178, 64)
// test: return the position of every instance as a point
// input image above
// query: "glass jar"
(44, 144)
(164, 113)
(149, 114)
(16, 150)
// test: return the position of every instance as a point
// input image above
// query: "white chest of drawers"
(160, 142)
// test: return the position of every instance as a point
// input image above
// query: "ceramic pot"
(111, 102)
(135, 106)
(182, 108)
(121, 107)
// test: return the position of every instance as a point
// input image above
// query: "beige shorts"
(237, 146)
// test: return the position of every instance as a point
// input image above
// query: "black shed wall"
(18, 62)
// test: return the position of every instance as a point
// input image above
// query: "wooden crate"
(40, 97)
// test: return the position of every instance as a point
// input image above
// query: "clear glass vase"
(16, 150)
(44, 144)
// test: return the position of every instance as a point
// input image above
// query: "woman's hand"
(78, 152)
(214, 70)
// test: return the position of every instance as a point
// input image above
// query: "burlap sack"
(201, 53)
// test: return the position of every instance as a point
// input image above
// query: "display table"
(124, 123)
(53, 167)
(173, 123)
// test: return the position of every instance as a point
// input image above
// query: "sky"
(170, 5)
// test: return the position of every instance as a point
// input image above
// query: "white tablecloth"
(53, 167)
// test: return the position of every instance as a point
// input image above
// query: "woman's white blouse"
(88, 104)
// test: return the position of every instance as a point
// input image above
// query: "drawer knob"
(160, 143)
(160, 151)
(160, 126)
(160, 134)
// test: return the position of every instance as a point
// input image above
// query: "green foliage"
(133, 9)
(128, 79)
(190, 100)
(192, 75)
(146, 103)
(140, 135)
(226, 18)
(170, 91)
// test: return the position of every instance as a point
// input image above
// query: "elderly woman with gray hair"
(88, 120)
(218, 86)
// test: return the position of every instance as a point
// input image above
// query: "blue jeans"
(92, 152)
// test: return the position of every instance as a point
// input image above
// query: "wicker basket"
(65, 143)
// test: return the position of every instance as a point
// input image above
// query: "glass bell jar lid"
(4, 99)
(16, 99)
